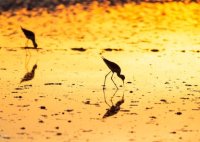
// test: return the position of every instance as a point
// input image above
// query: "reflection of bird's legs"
(105, 97)
(26, 53)
(111, 99)
(123, 96)
(27, 60)
(29, 52)
(113, 80)
(105, 79)
(26, 67)
(26, 45)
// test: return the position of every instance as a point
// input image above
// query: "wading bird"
(29, 75)
(30, 36)
(114, 69)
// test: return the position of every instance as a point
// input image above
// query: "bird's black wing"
(27, 33)
(112, 66)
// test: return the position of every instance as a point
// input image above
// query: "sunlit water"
(156, 46)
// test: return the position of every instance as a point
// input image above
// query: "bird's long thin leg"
(105, 79)
(113, 80)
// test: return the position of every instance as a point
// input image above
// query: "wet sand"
(156, 47)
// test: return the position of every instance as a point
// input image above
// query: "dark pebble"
(179, 113)
(110, 49)
(173, 132)
(153, 117)
(79, 49)
(163, 100)
(69, 110)
(58, 134)
(87, 102)
(22, 128)
(41, 121)
(42, 107)
(154, 50)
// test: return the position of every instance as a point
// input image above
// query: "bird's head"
(122, 77)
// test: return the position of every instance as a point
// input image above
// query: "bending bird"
(114, 69)
(30, 36)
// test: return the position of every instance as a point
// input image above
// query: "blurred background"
(51, 4)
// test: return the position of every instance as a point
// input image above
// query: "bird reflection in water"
(29, 75)
(114, 108)
(27, 59)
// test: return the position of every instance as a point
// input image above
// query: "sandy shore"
(156, 48)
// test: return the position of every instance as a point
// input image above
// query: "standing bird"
(29, 75)
(30, 36)
(114, 69)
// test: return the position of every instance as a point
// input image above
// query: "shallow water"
(65, 101)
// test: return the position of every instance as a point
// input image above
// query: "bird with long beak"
(114, 69)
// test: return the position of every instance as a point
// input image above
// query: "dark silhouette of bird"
(114, 69)
(29, 75)
(30, 36)
(114, 108)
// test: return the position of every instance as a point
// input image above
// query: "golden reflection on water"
(156, 47)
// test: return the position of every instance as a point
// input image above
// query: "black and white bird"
(114, 69)
(30, 36)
